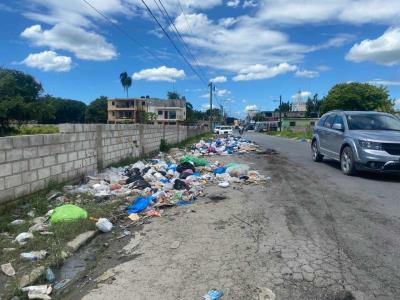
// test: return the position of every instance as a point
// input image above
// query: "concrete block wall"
(29, 163)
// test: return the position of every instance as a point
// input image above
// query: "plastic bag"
(195, 160)
(238, 170)
(186, 165)
(104, 225)
(220, 170)
(139, 204)
(22, 237)
(67, 212)
(180, 185)
(213, 295)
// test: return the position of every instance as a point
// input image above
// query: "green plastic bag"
(67, 212)
(231, 165)
(197, 161)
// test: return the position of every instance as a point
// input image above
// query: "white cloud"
(162, 73)
(384, 82)
(323, 68)
(307, 73)
(48, 61)
(222, 92)
(219, 79)
(251, 109)
(302, 95)
(233, 3)
(84, 44)
(317, 11)
(384, 50)
(258, 71)
(250, 3)
(397, 103)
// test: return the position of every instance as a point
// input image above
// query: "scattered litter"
(104, 225)
(224, 184)
(67, 212)
(38, 291)
(61, 284)
(50, 277)
(266, 294)
(139, 204)
(8, 269)
(34, 255)
(106, 275)
(134, 217)
(53, 195)
(17, 222)
(175, 245)
(23, 237)
(213, 295)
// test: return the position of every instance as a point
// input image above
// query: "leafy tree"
(357, 96)
(18, 85)
(285, 107)
(174, 95)
(96, 112)
(146, 117)
(313, 106)
(65, 110)
(259, 117)
(126, 82)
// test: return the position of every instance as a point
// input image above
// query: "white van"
(224, 130)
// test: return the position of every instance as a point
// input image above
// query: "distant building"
(156, 111)
(298, 104)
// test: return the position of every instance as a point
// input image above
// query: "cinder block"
(20, 141)
(6, 143)
(38, 185)
(78, 164)
(30, 176)
(30, 152)
(68, 166)
(2, 186)
(14, 154)
(62, 158)
(35, 163)
(13, 181)
(22, 190)
(2, 156)
(51, 139)
(72, 156)
(7, 195)
(43, 173)
(19, 166)
(44, 150)
(78, 145)
(36, 140)
(55, 170)
(5, 169)
(49, 160)
(55, 148)
(81, 154)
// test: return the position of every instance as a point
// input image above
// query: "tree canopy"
(96, 112)
(357, 96)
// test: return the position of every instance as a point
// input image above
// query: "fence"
(28, 163)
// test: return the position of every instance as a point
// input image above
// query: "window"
(339, 120)
(329, 121)
(292, 123)
(322, 120)
(312, 123)
(165, 115)
(113, 103)
(160, 112)
(113, 113)
(172, 115)
(143, 103)
(373, 122)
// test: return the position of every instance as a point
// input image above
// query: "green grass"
(30, 129)
(291, 134)
(164, 147)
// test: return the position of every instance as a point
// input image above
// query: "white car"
(224, 130)
(216, 128)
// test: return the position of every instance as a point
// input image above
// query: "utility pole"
(211, 106)
(280, 113)
(222, 115)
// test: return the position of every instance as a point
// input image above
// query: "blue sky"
(253, 50)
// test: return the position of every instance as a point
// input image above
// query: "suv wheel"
(316, 156)
(347, 161)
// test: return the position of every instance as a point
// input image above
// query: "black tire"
(347, 161)
(316, 156)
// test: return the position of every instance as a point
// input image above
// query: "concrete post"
(99, 147)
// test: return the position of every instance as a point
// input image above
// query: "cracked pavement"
(294, 234)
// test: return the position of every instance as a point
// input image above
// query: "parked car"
(224, 130)
(216, 128)
(359, 140)
(249, 128)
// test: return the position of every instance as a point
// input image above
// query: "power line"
(173, 43)
(123, 31)
(178, 34)
(187, 22)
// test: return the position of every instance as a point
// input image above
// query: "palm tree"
(126, 82)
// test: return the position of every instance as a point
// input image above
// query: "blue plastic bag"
(139, 204)
(213, 295)
(219, 170)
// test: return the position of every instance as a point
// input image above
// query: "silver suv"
(360, 140)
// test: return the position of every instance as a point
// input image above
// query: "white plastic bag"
(104, 225)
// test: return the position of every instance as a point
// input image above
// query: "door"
(335, 138)
(325, 134)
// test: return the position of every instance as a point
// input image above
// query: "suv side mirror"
(338, 126)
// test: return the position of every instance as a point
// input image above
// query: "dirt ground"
(281, 235)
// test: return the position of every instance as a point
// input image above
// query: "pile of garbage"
(147, 187)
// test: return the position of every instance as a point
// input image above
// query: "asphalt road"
(380, 191)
